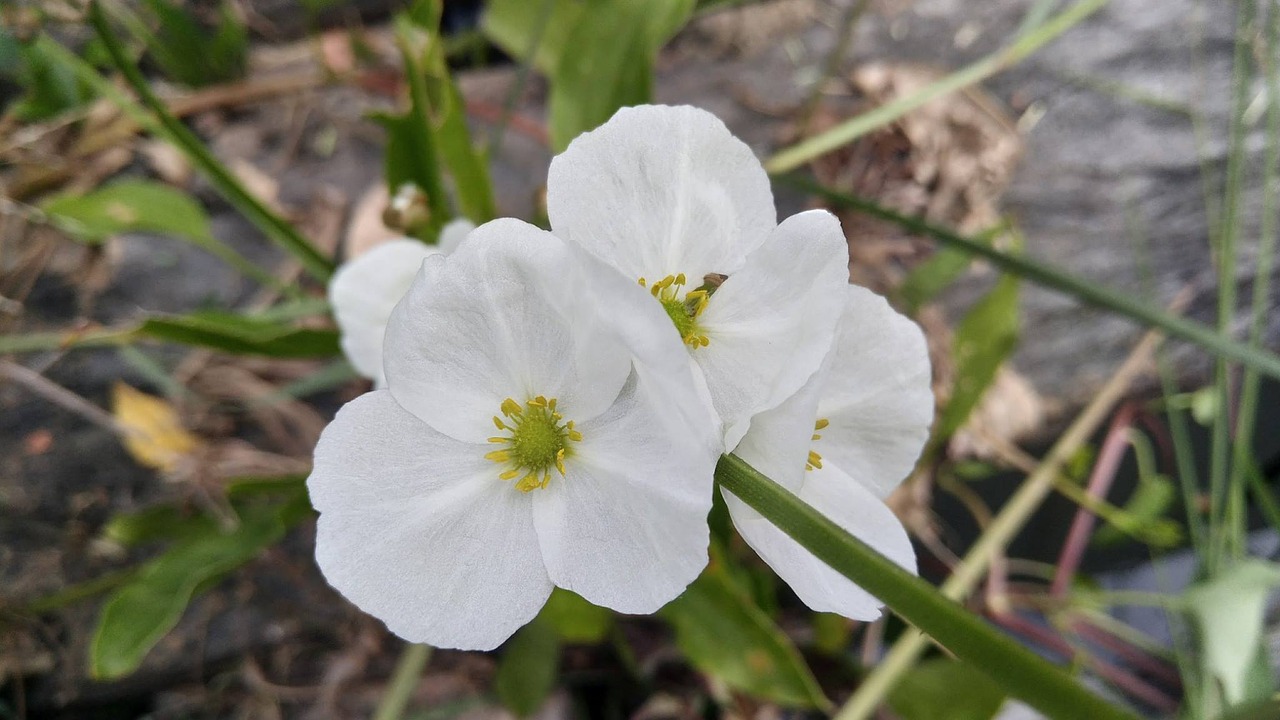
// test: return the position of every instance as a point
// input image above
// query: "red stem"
(1100, 480)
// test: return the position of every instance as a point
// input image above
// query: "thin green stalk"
(1265, 362)
(1020, 672)
(1228, 531)
(846, 132)
(419, 102)
(413, 660)
(172, 129)
(831, 66)
(522, 78)
(1243, 461)
(1183, 459)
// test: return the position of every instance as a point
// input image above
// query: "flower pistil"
(539, 440)
(684, 311)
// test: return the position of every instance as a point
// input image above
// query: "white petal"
(453, 233)
(502, 316)
(627, 527)
(363, 292)
(659, 191)
(416, 529)
(772, 323)
(877, 394)
(852, 507)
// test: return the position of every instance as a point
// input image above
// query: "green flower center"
(539, 441)
(684, 311)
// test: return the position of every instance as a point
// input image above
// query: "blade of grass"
(522, 78)
(1015, 668)
(1244, 461)
(162, 123)
(1255, 357)
(1228, 532)
(846, 132)
(408, 673)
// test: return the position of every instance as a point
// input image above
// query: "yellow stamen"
(510, 408)
(821, 424)
(498, 456)
(815, 461)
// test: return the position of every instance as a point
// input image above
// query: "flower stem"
(413, 660)
(162, 123)
(1019, 671)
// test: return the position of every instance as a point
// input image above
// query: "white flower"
(365, 289)
(842, 444)
(540, 426)
(670, 198)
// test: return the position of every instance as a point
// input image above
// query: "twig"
(58, 395)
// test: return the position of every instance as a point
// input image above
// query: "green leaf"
(513, 25)
(1228, 612)
(143, 206)
(129, 205)
(243, 335)
(528, 668)
(934, 275)
(1020, 672)
(574, 619)
(138, 614)
(1144, 516)
(943, 689)
(983, 341)
(156, 523)
(726, 636)
(49, 87)
(614, 45)
(468, 165)
(190, 54)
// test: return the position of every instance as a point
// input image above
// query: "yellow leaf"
(154, 435)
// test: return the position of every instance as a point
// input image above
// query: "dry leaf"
(153, 432)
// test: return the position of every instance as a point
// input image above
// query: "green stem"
(428, 162)
(408, 672)
(1254, 357)
(163, 123)
(1228, 535)
(1243, 461)
(1021, 673)
(847, 132)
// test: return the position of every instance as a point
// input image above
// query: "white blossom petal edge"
(674, 201)
(365, 289)
(525, 439)
(842, 444)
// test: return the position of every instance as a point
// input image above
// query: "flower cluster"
(550, 406)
